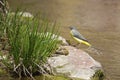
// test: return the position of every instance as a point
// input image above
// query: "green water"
(97, 20)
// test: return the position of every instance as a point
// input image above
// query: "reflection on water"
(94, 50)
(98, 20)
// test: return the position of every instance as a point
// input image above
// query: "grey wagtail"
(78, 37)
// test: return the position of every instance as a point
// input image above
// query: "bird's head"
(72, 27)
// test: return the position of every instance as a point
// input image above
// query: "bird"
(78, 37)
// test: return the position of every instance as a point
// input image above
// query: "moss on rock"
(99, 75)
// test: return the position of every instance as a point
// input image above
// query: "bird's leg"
(89, 48)
(78, 45)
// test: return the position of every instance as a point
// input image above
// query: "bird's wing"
(76, 34)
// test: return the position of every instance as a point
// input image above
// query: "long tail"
(82, 41)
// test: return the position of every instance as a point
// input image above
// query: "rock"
(64, 42)
(24, 14)
(54, 36)
(62, 51)
(77, 64)
(2, 57)
(44, 77)
(60, 38)
(50, 77)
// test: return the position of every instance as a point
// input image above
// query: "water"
(97, 20)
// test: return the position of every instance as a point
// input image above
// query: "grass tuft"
(31, 42)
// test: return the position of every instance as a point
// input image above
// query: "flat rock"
(77, 64)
